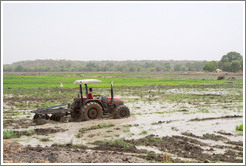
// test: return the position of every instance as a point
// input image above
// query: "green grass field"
(19, 81)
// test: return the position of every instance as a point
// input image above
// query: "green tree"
(177, 67)
(235, 66)
(211, 66)
(167, 67)
(241, 65)
(158, 69)
(189, 66)
(183, 68)
(226, 66)
(231, 56)
(90, 67)
(19, 68)
(231, 62)
(7, 68)
(131, 69)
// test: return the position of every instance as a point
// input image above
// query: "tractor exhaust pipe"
(112, 92)
(86, 91)
(81, 94)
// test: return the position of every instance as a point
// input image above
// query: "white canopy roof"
(86, 81)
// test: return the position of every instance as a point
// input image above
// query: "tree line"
(103, 66)
(231, 62)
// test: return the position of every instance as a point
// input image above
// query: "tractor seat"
(104, 101)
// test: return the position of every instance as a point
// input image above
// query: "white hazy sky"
(122, 31)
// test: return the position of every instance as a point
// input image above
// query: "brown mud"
(17, 153)
(171, 124)
(189, 148)
(212, 118)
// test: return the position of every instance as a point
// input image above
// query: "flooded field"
(178, 123)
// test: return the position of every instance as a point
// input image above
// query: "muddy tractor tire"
(39, 119)
(39, 116)
(121, 111)
(36, 117)
(56, 117)
(91, 111)
(63, 119)
(75, 113)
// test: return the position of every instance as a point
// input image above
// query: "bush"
(9, 134)
(151, 155)
(120, 143)
(231, 62)
(211, 66)
(144, 132)
(239, 128)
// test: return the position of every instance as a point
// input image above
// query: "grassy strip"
(16, 81)
(70, 145)
(99, 126)
(239, 127)
(10, 134)
(144, 132)
(212, 118)
(116, 144)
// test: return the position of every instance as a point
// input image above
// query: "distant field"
(25, 81)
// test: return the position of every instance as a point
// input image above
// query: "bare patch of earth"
(17, 153)
(209, 121)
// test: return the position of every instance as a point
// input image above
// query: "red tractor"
(83, 108)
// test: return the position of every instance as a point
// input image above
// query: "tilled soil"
(38, 131)
(16, 153)
(189, 148)
(181, 146)
(223, 117)
(198, 129)
(46, 131)
(123, 152)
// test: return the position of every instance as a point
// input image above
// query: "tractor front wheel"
(91, 111)
(121, 111)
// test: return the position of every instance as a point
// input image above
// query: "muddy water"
(168, 120)
(161, 118)
(72, 129)
(154, 120)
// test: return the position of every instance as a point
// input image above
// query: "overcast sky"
(122, 31)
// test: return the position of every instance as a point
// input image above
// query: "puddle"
(157, 117)
(72, 129)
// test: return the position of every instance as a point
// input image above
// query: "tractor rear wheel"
(91, 111)
(121, 111)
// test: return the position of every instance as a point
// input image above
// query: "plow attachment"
(56, 113)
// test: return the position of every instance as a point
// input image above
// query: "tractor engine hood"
(116, 100)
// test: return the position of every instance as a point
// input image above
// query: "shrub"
(239, 128)
(120, 143)
(9, 134)
(144, 132)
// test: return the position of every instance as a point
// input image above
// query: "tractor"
(83, 108)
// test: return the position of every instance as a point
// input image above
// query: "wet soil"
(212, 118)
(207, 136)
(38, 131)
(17, 153)
(188, 148)
(46, 131)
(189, 124)
(178, 145)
